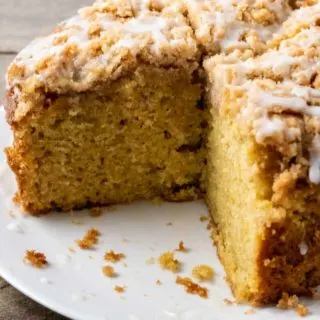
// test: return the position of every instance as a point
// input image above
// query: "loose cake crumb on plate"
(36, 259)
(89, 240)
(111, 256)
(158, 283)
(169, 224)
(292, 302)
(192, 288)
(302, 310)
(168, 262)
(181, 247)
(95, 212)
(203, 272)
(120, 289)
(71, 250)
(204, 218)
(109, 271)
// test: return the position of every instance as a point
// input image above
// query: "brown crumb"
(125, 240)
(250, 311)
(292, 302)
(288, 302)
(203, 272)
(71, 250)
(168, 262)
(158, 283)
(36, 259)
(89, 240)
(192, 287)
(95, 212)
(228, 302)
(119, 289)
(108, 271)
(111, 256)
(169, 224)
(302, 310)
(181, 247)
(204, 218)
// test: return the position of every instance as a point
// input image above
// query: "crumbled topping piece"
(168, 262)
(95, 212)
(302, 310)
(292, 302)
(120, 289)
(181, 247)
(204, 218)
(111, 256)
(192, 287)
(89, 240)
(71, 250)
(36, 259)
(203, 272)
(109, 271)
(158, 283)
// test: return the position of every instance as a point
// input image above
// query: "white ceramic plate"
(73, 284)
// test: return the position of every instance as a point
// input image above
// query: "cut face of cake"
(107, 110)
(264, 165)
(113, 107)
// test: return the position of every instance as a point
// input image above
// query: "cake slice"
(107, 109)
(264, 163)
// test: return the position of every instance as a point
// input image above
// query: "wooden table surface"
(20, 22)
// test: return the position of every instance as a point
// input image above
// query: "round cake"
(181, 100)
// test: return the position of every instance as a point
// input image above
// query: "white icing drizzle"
(314, 170)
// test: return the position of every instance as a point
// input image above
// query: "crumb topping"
(109, 271)
(204, 218)
(89, 240)
(192, 287)
(230, 25)
(167, 261)
(158, 283)
(203, 272)
(36, 259)
(120, 289)
(292, 302)
(111, 256)
(181, 247)
(99, 44)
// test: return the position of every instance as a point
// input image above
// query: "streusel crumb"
(192, 288)
(204, 218)
(108, 271)
(89, 240)
(120, 289)
(111, 256)
(302, 310)
(36, 259)
(292, 302)
(168, 262)
(181, 247)
(203, 272)
(158, 283)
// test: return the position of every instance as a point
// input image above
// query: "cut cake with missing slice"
(112, 107)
